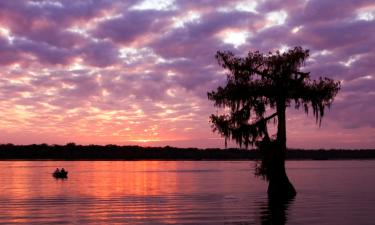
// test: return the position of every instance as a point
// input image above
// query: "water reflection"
(117, 192)
(182, 193)
(275, 212)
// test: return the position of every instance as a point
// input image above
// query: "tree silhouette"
(258, 90)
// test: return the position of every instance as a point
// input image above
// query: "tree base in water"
(281, 189)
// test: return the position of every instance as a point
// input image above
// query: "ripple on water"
(182, 193)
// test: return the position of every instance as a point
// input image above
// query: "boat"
(60, 174)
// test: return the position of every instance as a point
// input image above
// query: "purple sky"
(138, 72)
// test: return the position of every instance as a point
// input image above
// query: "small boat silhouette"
(60, 174)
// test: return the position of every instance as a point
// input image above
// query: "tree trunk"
(279, 185)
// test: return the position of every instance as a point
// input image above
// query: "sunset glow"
(138, 72)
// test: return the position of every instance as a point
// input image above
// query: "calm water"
(177, 192)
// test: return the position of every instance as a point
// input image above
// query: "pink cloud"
(104, 72)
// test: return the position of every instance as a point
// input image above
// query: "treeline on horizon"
(72, 151)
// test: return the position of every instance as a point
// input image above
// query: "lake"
(183, 192)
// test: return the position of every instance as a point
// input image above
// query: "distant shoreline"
(113, 152)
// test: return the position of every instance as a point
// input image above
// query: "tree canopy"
(259, 87)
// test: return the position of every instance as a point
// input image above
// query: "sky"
(138, 72)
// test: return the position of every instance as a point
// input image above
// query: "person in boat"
(57, 170)
(63, 170)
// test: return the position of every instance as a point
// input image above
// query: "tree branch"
(264, 119)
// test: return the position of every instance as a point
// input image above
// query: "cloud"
(7, 55)
(123, 71)
(100, 54)
(131, 26)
